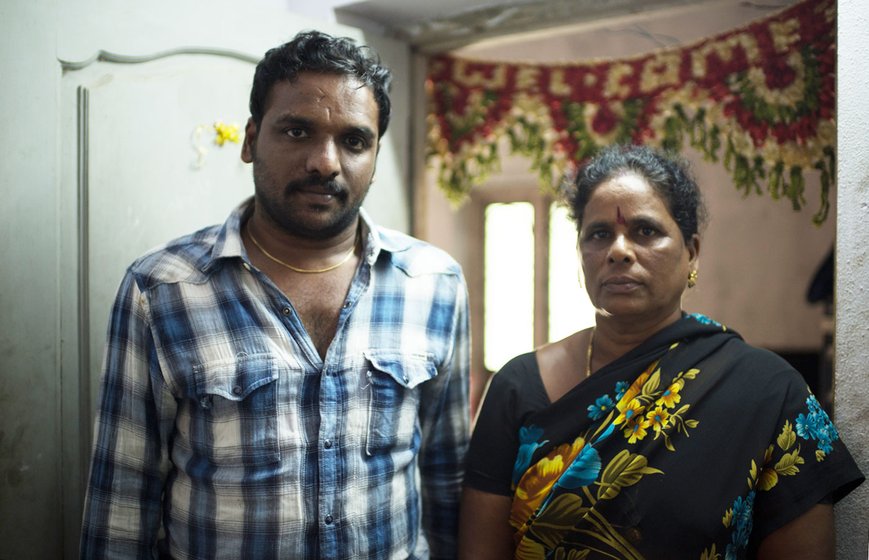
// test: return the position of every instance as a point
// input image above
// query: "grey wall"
(30, 391)
(852, 268)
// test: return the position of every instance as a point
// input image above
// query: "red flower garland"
(763, 94)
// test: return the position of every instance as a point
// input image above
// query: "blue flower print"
(600, 407)
(583, 471)
(703, 319)
(741, 523)
(622, 388)
(528, 444)
(816, 425)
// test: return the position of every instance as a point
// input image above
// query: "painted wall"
(30, 489)
(44, 427)
(852, 268)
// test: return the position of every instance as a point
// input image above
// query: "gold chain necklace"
(304, 270)
(588, 354)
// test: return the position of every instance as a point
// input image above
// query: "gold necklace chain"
(304, 270)
(588, 354)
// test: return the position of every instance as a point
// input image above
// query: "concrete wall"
(30, 474)
(852, 268)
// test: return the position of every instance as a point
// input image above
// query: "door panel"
(155, 172)
(140, 168)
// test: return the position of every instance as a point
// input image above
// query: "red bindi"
(619, 218)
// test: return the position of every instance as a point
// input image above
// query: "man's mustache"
(327, 186)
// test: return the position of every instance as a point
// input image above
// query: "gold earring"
(692, 278)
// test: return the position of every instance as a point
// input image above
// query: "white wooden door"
(154, 171)
(142, 167)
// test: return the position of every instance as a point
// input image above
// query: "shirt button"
(246, 266)
(328, 520)
(327, 444)
(346, 304)
(285, 310)
(236, 390)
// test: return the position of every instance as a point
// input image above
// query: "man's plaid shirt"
(221, 432)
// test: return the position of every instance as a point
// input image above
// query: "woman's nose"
(621, 250)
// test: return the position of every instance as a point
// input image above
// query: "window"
(531, 281)
(569, 307)
(508, 277)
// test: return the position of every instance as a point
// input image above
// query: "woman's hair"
(668, 173)
(313, 51)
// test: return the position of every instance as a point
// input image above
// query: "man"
(293, 383)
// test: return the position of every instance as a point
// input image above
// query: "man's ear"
(248, 147)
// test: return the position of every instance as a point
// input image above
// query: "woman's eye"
(647, 231)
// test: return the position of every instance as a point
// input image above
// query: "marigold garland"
(760, 97)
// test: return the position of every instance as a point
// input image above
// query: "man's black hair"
(313, 51)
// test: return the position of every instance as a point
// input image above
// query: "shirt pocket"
(393, 380)
(236, 419)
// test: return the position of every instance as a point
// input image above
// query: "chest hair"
(317, 299)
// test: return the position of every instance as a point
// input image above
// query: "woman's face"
(634, 258)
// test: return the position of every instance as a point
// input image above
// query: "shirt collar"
(228, 243)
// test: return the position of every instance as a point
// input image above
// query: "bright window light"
(569, 307)
(509, 282)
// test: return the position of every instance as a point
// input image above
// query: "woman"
(654, 434)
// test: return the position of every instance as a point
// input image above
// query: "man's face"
(314, 153)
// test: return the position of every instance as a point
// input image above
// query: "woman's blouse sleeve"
(806, 461)
(513, 393)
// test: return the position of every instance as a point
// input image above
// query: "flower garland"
(762, 97)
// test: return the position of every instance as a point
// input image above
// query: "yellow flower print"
(632, 411)
(658, 419)
(671, 397)
(529, 550)
(632, 391)
(547, 467)
(537, 481)
(637, 431)
(768, 476)
(635, 388)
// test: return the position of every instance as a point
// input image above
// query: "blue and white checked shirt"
(221, 432)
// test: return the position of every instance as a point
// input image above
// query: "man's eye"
(356, 142)
(295, 132)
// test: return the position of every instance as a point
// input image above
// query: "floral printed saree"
(693, 445)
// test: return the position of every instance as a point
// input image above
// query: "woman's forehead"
(626, 192)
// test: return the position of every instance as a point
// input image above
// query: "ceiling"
(444, 25)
